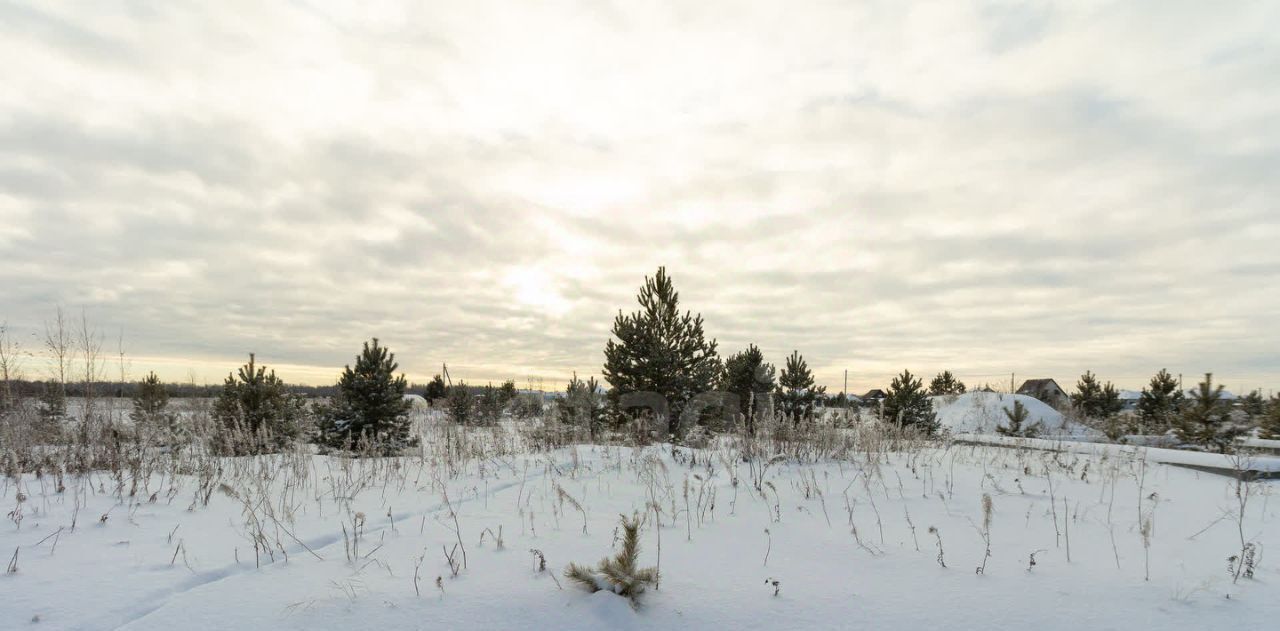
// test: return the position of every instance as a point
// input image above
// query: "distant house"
(1227, 395)
(1129, 399)
(1046, 390)
(873, 396)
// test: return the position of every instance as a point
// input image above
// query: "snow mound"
(983, 412)
(416, 400)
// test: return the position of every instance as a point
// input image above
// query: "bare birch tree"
(10, 365)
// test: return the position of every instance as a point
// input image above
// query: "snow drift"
(983, 412)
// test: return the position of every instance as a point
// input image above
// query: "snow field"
(177, 562)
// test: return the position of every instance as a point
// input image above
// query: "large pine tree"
(658, 349)
(751, 379)
(370, 406)
(797, 393)
(907, 403)
(1160, 403)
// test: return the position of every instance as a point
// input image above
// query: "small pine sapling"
(619, 573)
(1017, 416)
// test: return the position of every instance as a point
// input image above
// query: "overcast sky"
(990, 187)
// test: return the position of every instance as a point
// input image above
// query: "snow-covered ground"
(848, 540)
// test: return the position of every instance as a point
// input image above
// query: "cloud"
(988, 187)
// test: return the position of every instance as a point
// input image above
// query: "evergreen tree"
(796, 391)
(660, 350)
(1206, 421)
(460, 404)
(370, 406)
(1271, 421)
(1253, 404)
(435, 390)
(1087, 399)
(751, 379)
(1017, 416)
(53, 402)
(508, 393)
(1160, 403)
(945, 383)
(581, 405)
(150, 404)
(488, 406)
(1094, 400)
(620, 573)
(907, 403)
(1109, 407)
(1110, 403)
(255, 412)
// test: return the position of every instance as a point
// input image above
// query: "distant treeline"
(33, 389)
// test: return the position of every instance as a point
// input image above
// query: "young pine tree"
(945, 383)
(1017, 416)
(488, 406)
(1087, 399)
(1100, 404)
(658, 349)
(797, 393)
(752, 380)
(1160, 403)
(1253, 404)
(507, 393)
(581, 405)
(150, 407)
(460, 404)
(255, 412)
(53, 402)
(620, 573)
(436, 390)
(1270, 422)
(1206, 419)
(369, 407)
(1109, 406)
(907, 403)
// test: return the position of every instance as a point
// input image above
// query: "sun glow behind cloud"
(983, 187)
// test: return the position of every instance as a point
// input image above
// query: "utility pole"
(845, 392)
